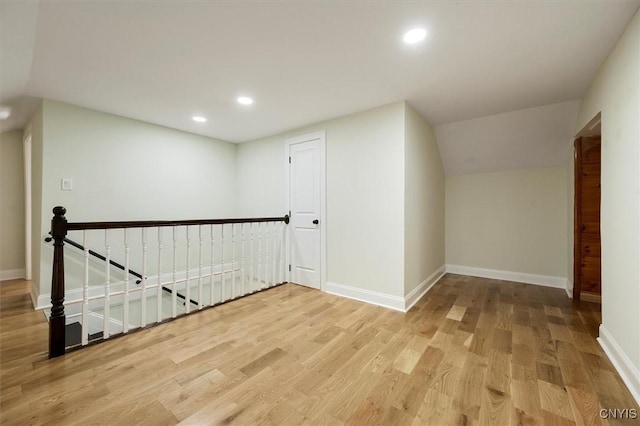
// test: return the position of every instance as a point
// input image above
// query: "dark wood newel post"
(57, 319)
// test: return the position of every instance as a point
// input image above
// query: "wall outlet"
(66, 184)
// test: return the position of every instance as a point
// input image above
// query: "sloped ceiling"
(524, 139)
(303, 62)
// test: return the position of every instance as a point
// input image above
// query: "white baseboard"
(402, 304)
(12, 274)
(569, 288)
(34, 295)
(375, 298)
(418, 292)
(543, 280)
(628, 372)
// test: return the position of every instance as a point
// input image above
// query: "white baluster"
(106, 330)
(233, 260)
(242, 259)
(187, 300)
(143, 281)
(274, 260)
(251, 257)
(259, 256)
(174, 302)
(212, 276)
(267, 254)
(125, 315)
(222, 263)
(273, 254)
(200, 267)
(159, 288)
(283, 266)
(85, 292)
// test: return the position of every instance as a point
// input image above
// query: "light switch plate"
(66, 184)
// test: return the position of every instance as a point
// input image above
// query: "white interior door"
(305, 202)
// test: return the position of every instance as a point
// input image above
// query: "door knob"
(316, 221)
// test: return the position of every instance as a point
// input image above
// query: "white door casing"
(306, 203)
(27, 202)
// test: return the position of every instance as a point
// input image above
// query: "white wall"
(615, 92)
(261, 176)
(12, 231)
(424, 202)
(124, 169)
(365, 194)
(513, 221)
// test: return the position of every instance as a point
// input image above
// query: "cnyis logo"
(618, 413)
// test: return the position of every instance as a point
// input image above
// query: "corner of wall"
(569, 288)
(418, 293)
(424, 204)
(34, 293)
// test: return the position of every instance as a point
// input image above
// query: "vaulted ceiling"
(303, 62)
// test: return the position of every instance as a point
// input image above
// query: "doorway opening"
(587, 269)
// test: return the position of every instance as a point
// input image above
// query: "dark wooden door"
(586, 272)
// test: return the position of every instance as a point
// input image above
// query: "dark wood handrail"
(59, 229)
(77, 226)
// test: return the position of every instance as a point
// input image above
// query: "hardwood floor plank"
(554, 399)
(467, 398)
(498, 374)
(522, 418)
(526, 398)
(262, 362)
(496, 407)
(586, 408)
(550, 374)
(367, 413)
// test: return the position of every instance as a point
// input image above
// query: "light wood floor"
(473, 351)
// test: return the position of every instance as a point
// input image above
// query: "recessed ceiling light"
(5, 112)
(245, 100)
(414, 36)
(199, 119)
